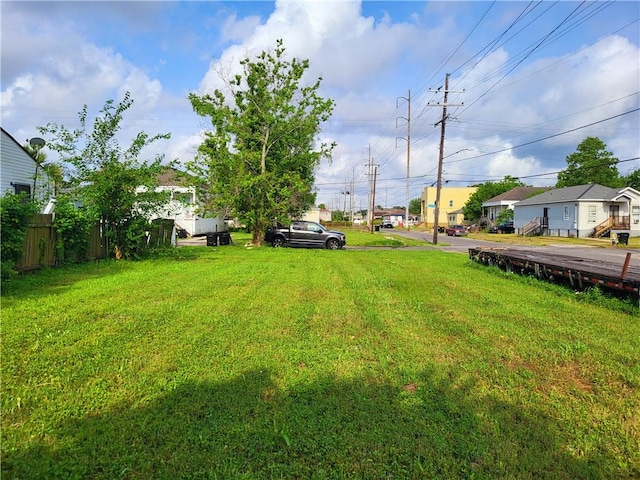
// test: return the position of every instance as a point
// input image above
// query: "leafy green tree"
(73, 227)
(590, 163)
(505, 215)
(415, 205)
(632, 180)
(53, 170)
(473, 208)
(15, 213)
(258, 161)
(112, 183)
(337, 216)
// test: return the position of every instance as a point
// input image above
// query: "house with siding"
(452, 199)
(455, 217)
(492, 208)
(20, 172)
(183, 205)
(580, 211)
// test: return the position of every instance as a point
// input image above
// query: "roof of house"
(577, 193)
(172, 177)
(516, 194)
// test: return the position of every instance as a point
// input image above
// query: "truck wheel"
(277, 242)
(332, 244)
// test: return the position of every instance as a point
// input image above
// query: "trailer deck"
(578, 272)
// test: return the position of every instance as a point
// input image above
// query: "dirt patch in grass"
(564, 377)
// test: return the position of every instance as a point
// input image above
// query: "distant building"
(312, 215)
(452, 199)
(325, 215)
(580, 211)
(184, 207)
(456, 217)
(492, 207)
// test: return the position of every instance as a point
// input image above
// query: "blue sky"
(528, 70)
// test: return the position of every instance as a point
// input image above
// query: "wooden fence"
(39, 248)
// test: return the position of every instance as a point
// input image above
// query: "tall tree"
(632, 179)
(52, 169)
(415, 206)
(590, 163)
(473, 208)
(113, 184)
(258, 161)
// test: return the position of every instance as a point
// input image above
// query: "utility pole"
(345, 193)
(371, 175)
(408, 119)
(369, 165)
(373, 197)
(353, 181)
(442, 123)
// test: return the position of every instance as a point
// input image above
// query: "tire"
(277, 242)
(333, 244)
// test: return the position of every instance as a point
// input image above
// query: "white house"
(580, 211)
(492, 207)
(183, 206)
(325, 215)
(312, 215)
(19, 172)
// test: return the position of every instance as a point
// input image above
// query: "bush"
(73, 226)
(16, 211)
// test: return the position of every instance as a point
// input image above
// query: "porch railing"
(617, 222)
(533, 227)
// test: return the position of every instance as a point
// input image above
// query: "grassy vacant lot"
(237, 363)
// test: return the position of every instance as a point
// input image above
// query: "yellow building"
(451, 200)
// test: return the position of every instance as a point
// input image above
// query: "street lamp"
(454, 153)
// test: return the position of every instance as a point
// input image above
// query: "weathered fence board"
(39, 247)
(39, 244)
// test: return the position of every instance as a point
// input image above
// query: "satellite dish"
(37, 142)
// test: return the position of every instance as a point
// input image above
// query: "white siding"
(18, 167)
(583, 216)
(313, 215)
(183, 207)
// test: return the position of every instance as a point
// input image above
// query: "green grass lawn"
(234, 363)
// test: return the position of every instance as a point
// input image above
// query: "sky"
(528, 81)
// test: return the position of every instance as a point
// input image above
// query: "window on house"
(184, 198)
(451, 203)
(22, 188)
(591, 214)
(566, 212)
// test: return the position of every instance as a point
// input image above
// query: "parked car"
(456, 231)
(302, 233)
(387, 225)
(504, 227)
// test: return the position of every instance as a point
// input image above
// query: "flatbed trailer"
(580, 273)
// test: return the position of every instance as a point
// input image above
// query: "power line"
(545, 138)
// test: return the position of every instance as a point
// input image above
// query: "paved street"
(463, 244)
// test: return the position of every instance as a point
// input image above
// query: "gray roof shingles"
(571, 194)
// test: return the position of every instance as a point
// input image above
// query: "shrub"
(16, 211)
(73, 226)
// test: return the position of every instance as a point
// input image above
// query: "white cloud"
(55, 65)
